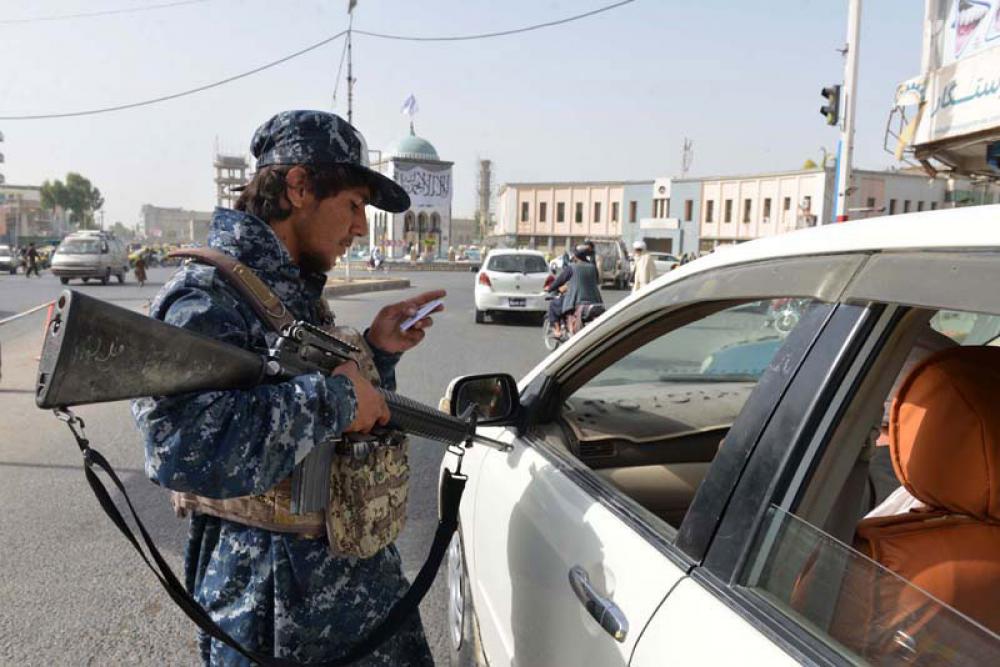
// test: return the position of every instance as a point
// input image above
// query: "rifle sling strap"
(237, 275)
(452, 486)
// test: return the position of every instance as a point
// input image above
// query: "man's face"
(329, 227)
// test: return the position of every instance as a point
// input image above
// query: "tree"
(77, 195)
(809, 164)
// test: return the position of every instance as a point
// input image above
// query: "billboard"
(427, 186)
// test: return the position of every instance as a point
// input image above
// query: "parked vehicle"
(511, 280)
(664, 261)
(8, 261)
(690, 483)
(90, 254)
(613, 262)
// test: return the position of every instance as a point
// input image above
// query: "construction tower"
(230, 172)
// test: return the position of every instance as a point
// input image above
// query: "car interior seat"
(944, 439)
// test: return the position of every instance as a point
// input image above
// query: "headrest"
(944, 431)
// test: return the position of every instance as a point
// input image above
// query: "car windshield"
(518, 264)
(80, 247)
(733, 345)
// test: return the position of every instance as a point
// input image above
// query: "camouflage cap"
(322, 138)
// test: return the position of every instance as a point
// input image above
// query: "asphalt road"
(73, 590)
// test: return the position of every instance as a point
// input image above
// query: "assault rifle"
(96, 352)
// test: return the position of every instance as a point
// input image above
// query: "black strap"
(452, 486)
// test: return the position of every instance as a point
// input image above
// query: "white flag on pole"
(409, 106)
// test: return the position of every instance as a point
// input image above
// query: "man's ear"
(296, 186)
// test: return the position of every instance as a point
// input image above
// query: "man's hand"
(385, 334)
(372, 409)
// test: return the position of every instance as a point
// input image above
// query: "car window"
(881, 571)
(651, 422)
(80, 247)
(854, 604)
(517, 264)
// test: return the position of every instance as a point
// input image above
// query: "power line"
(105, 12)
(192, 91)
(502, 33)
(222, 82)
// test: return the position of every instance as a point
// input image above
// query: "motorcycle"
(570, 323)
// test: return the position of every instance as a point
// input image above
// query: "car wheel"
(480, 316)
(64, 280)
(463, 631)
(86, 280)
(106, 277)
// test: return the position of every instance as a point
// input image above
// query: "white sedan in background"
(689, 484)
(511, 280)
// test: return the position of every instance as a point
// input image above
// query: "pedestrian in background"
(140, 269)
(31, 257)
(645, 269)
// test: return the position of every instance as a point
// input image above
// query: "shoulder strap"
(237, 275)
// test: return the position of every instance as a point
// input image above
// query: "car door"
(568, 547)
(784, 573)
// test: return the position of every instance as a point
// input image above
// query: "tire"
(465, 648)
(86, 281)
(64, 280)
(551, 342)
(106, 277)
(480, 316)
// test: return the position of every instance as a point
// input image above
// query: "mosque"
(413, 162)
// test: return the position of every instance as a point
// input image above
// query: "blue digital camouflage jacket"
(274, 592)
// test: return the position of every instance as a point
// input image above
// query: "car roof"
(966, 227)
(515, 251)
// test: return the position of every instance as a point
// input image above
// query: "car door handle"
(607, 614)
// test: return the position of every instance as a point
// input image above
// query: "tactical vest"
(369, 482)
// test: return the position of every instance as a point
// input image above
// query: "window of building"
(597, 211)
(614, 211)
(906, 206)
(747, 205)
(633, 210)
(524, 211)
(688, 209)
(542, 211)
(920, 206)
(578, 213)
(786, 205)
(870, 203)
(767, 209)
(933, 205)
(892, 207)
(807, 204)
(727, 215)
(560, 211)
(666, 208)
(710, 211)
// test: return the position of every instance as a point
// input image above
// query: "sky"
(605, 98)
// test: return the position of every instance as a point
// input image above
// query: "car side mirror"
(494, 396)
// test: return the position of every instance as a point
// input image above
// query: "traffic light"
(832, 107)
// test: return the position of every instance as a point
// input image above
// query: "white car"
(687, 484)
(511, 280)
(664, 261)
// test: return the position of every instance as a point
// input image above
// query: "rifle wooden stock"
(96, 352)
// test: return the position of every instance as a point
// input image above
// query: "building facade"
(414, 163)
(672, 223)
(740, 208)
(174, 225)
(553, 216)
(23, 220)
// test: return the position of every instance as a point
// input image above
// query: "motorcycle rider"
(582, 287)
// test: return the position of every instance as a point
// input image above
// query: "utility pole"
(846, 153)
(350, 75)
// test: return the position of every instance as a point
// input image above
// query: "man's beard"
(312, 263)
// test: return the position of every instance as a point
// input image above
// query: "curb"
(360, 287)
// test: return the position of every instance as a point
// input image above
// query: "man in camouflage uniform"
(276, 592)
